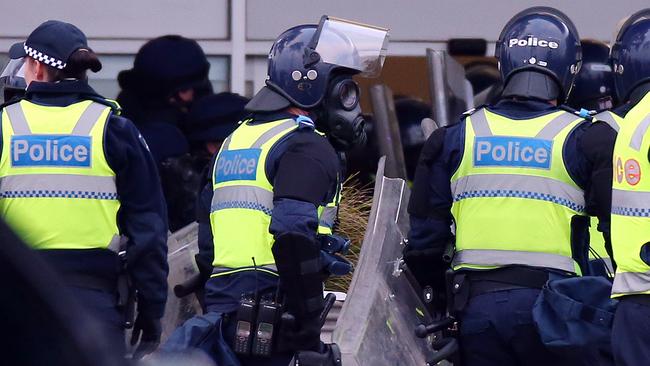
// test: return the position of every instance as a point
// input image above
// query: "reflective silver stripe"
(84, 125)
(223, 271)
(490, 257)
(240, 196)
(226, 143)
(631, 283)
(268, 135)
(17, 120)
(52, 182)
(88, 119)
(519, 186)
(608, 117)
(630, 203)
(480, 124)
(641, 129)
(556, 125)
(328, 216)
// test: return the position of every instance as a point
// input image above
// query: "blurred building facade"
(237, 34)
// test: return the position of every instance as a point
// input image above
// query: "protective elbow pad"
(297, 258)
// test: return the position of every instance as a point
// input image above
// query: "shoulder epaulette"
(113, 104)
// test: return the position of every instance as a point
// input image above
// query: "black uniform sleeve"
(430, 203)
(305, 178)
(430, 216)
(142, 217)
(597, 144)
(205, 257)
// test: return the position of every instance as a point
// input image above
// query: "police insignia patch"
(512, 151)
(237, 165)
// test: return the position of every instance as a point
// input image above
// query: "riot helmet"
(539, 54)
(12, 79)
(593, 88)
(311, 67)
(630, 55)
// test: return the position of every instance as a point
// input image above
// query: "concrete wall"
(242, 30)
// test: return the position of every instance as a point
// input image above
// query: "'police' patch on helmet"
(51, 150)
(237, 165)
(512, 151)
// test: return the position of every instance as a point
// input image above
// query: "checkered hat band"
(40, 56)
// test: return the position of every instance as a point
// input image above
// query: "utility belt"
(121, 287)
(468, 284)
(637, 299)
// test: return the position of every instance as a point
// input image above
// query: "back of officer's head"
(56, 51)
(630, 56)
(539, 55)
(77, 67)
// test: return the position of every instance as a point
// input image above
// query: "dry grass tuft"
(354, 210)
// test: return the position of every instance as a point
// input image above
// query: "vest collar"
(61, 93)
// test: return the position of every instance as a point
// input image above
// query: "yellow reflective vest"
(513, 199)
(630, 226)
(242, 199)
(57, 190)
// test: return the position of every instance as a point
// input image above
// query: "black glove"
(330, 355)
(147, 330)
(429, 269)
(303, 335)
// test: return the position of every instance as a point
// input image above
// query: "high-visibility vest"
(630, 220)
(57, 190)
(242, 199)
(328, 214)
(596, 239)
(513, 199)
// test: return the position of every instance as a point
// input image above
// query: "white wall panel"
(120, 19)
(433, 20)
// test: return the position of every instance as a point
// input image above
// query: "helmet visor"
(352, 45)
(13, 74)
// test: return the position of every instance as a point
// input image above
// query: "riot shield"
(451, 93)
(182, 246)
(377, 321)
(428, 126)
(387, 131)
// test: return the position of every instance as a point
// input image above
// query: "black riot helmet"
(630, 54)
(539, 54)
(593, 88)
(311, 67)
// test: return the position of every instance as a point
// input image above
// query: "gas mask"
(340, 114)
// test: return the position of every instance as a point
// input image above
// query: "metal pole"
(387, 129)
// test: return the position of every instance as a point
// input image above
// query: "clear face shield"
(351, 45)
(12, 79)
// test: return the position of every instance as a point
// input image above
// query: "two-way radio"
(245, 323)
(257, 321)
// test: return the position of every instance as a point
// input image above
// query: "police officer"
(78, 181)
(274, 175)
(593, 94)
(630, 226)
(169, 74)
(514, 180)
